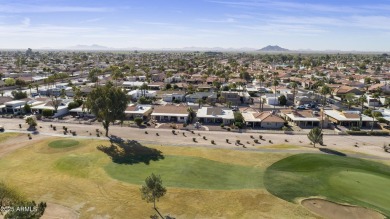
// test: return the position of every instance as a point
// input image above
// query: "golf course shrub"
(356, 132)
(378, 133)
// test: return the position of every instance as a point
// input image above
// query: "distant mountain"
(88, 47)
(273, 49)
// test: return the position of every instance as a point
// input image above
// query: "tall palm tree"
(325, 90)
(350, 97)
(143, 88)
(30, 86)
(294, 86)
(362, 99)
(36, 87)
(275, 83)
(261, 79)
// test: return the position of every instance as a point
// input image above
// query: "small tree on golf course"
(153, 190)
(31, 122)
(315, 136)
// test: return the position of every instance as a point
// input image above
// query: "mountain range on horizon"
(275, 48)
(269, 48)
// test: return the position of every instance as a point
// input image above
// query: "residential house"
(170, 113)
(14, 107)
(155, 85)
(61, 110)
(211, 96)
(215, 115)
(303, 118)
(231, 96)
(349, 118)
(301, 100)
(132, 84)
(344, 90)
(271, 99)
(267, 120)
(383, 87)
(385, 114)
(136, 94)
(174, 96)
(142, 111)
(81, 112)
(373, 102)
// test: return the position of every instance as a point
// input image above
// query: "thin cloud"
(309, 7)
(24, 8)
(26, 22)
(227, 20)
(93, 20)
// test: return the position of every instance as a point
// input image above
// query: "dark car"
(1, 128)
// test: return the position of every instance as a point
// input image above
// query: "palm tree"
(275, 83)
(325, 90)
(30, 86)
(36, 87)
(362, 99)
(191, 114)
(294, 86)
(117, 74)
(350, 97)
(200, 101)
(143, 88)
(261, 79)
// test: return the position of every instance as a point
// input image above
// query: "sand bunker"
(54, 211)
(329, 209)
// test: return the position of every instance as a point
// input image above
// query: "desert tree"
(31, 122)
(153, 190)
(315, 136)
(107, 103)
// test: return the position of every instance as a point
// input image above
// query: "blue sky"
(326, 25)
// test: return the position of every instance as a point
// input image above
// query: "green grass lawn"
(340, 179)
(65, 143)
(190, 172)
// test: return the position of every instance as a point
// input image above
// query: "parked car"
(1, 128)
(301, 107)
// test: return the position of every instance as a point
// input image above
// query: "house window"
(181, 118)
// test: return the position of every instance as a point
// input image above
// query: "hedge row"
(376, 133)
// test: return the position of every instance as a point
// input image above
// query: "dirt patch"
(329, 209)
(55, 211)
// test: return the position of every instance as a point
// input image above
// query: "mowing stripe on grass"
(66, 143)
(190, 172)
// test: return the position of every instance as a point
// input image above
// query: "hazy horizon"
(157, 24)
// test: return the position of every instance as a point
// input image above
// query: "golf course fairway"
(340, 179)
